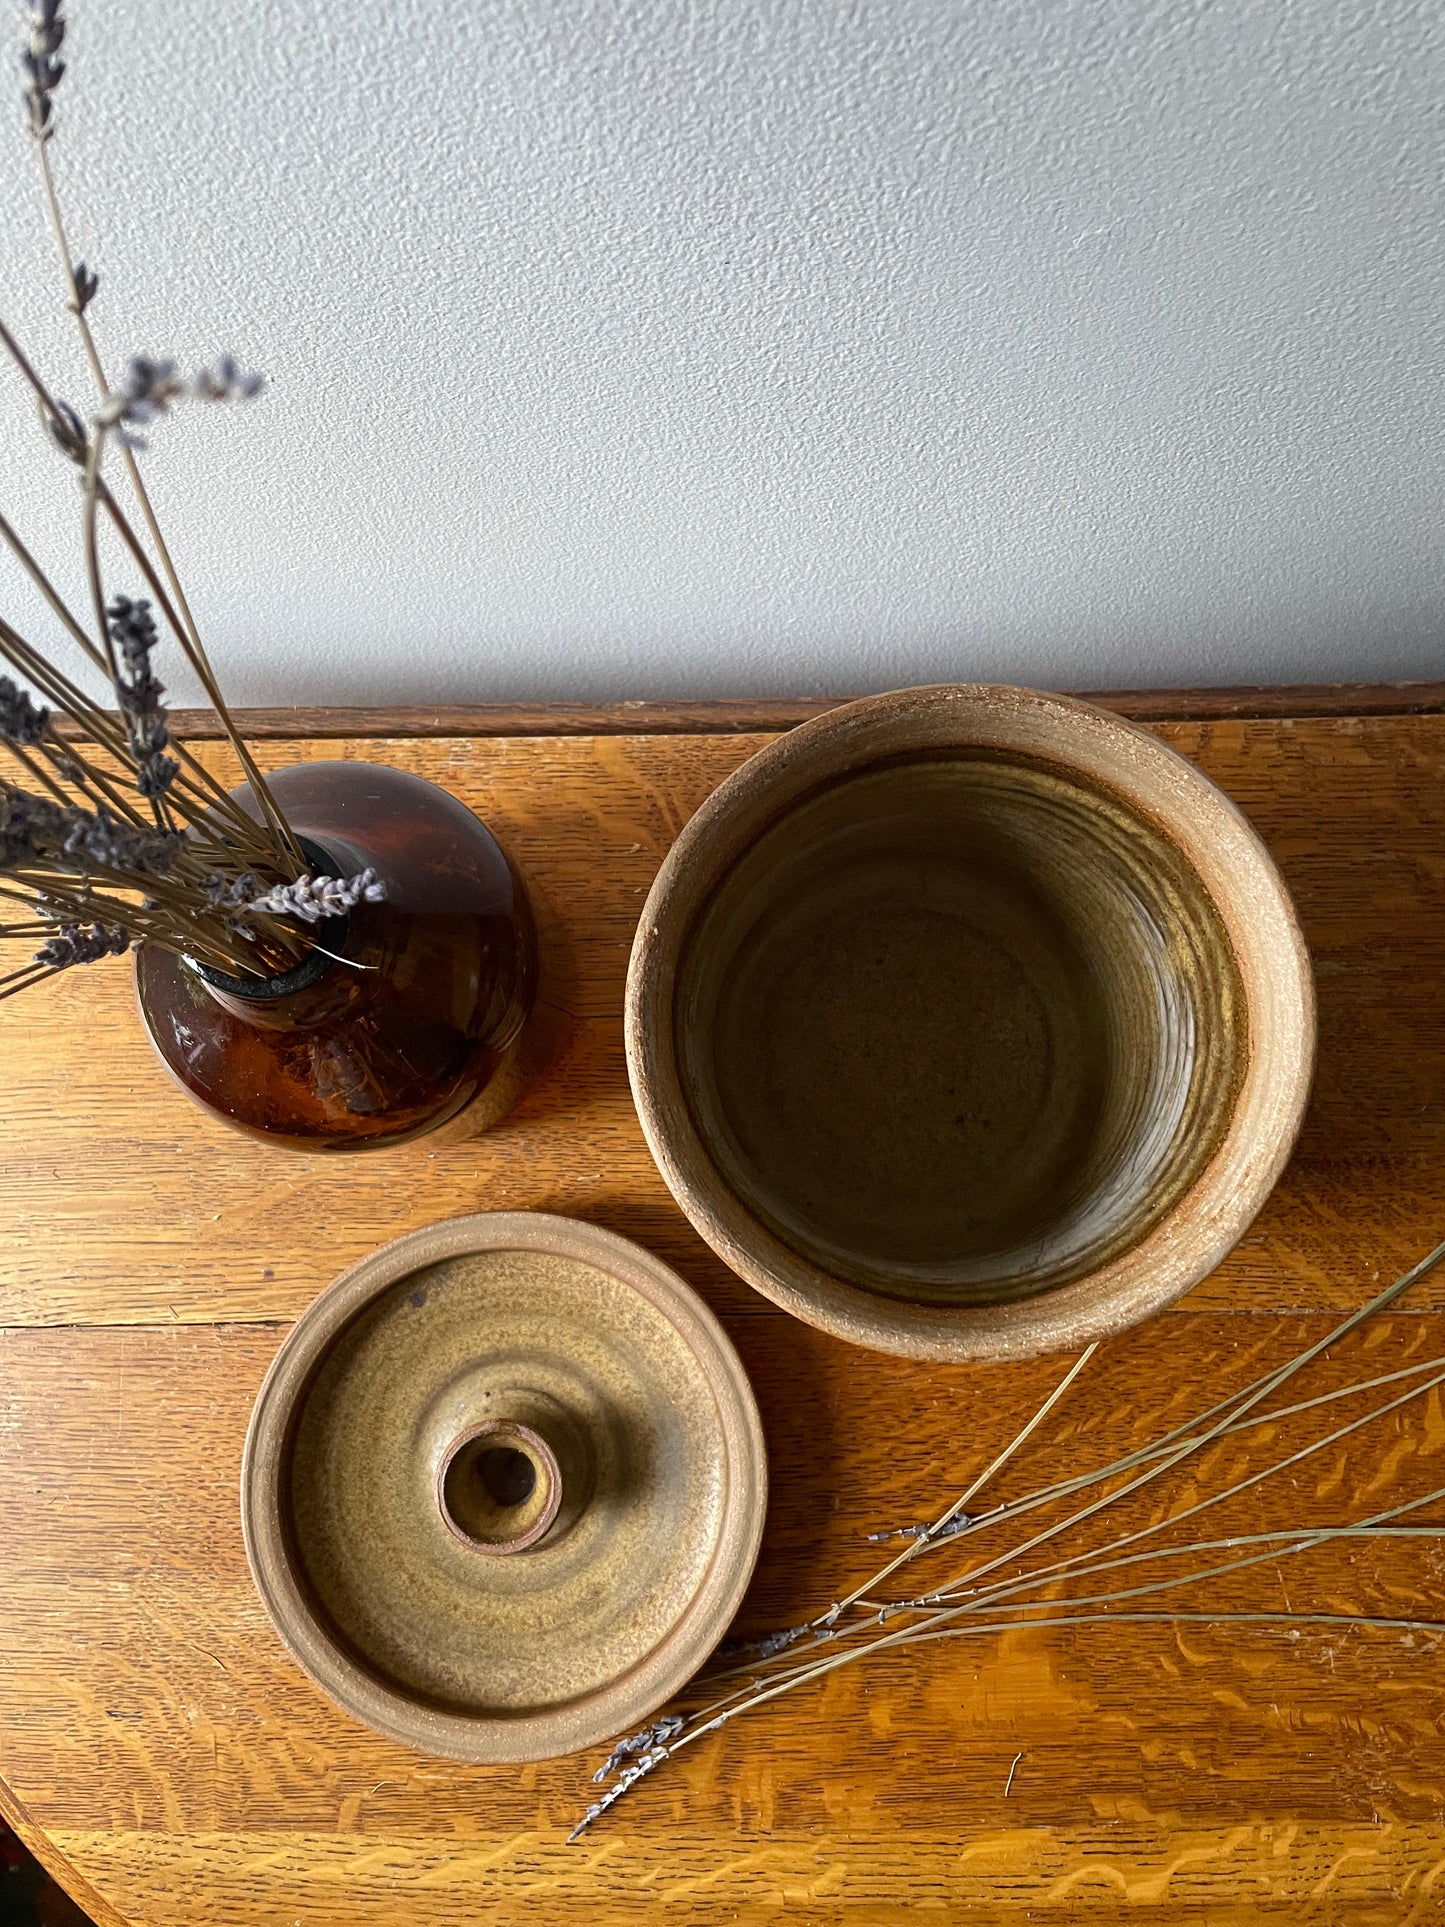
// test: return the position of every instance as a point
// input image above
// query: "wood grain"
(154, 1734)
(162, 1737)
(764, 714)
(123, 1202)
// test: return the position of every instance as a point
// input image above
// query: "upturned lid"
(503, 1487)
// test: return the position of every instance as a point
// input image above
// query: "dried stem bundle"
(111, 832)
(966, 1604)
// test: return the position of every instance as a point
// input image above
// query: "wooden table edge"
(42, 1848)
(766, 715)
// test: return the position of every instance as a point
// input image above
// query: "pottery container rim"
(619, 1705)
(1178, 800)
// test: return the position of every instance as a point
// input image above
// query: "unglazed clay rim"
(1249, 897)
(624, 1703)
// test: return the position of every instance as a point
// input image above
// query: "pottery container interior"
(970, 1022)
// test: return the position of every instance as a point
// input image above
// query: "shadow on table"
(28, 1896)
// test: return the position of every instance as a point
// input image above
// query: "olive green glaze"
(504, 1487)
(499, 1486)
(969, 1022)
(959, 1029)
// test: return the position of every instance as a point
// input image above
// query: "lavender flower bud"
(78, 944)
(614, 1793)
(772, 1643)
(310, 899)
(148, 388)
(934, 1534)
(21, 721)
(67, 431)
(228, 893)
(86, 283)
(42, 69)
(225, 382)
(34, 832)
(659, 1734)
(156, 777)
(133, 631)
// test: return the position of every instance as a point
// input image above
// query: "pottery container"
(970, 1022)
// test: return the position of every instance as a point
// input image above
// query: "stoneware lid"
(504, 1487)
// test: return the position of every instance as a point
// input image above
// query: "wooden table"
(169, 1763)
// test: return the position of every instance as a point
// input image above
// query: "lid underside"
(608, 1381)
(509, 1499)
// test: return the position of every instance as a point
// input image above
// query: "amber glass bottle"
(420, 1009)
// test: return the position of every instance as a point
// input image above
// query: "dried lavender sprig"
(38, 833)
(80, 285)
(943, 1626)
(956, 1596)
(658, 1734)
(773, 1643)
(926, 1602)
(917, 1636)
(941, 1623)
(98, 729)
(138, 693)
(949, 1529)
(43, 69)
(204, 795)
(1065, 1488)
(768, 1645)
(1065, 1567)
(77, 944)
(85, 284)
(1305, 1539)
(1233, 1407)
(82, 904)
(976, 1599)
(150, 388)
(951, 1523)
(971, 1491)
(67, 430)
(95, 494)
(310, 899)
(613, 1794)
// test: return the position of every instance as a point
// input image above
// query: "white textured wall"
(649, 347)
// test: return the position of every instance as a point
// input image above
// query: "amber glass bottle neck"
(257, 998)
